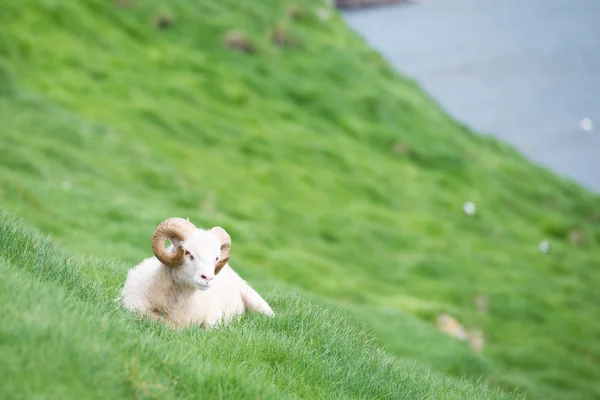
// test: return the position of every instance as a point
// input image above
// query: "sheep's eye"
(217, 259)
(187, 253)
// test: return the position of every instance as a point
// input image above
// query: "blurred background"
(523, 71)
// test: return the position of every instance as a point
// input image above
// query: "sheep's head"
(198, 255)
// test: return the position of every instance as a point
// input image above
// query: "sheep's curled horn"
(170, 229)
(181, 229)
(225, 247)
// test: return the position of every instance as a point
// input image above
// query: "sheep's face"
(201, 260)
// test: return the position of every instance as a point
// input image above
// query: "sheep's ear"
(221, 263)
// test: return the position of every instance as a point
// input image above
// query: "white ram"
(191, 282)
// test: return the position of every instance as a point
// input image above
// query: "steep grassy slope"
(332, 174)
(63, 337)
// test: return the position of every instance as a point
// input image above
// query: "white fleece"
(160, 292)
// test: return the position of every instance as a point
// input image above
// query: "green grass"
(63, 336)
(110, 125)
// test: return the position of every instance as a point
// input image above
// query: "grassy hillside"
(335, 177)
(86, 347)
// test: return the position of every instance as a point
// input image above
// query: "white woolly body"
(168, 293)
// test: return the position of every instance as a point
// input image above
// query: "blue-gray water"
(526, 71)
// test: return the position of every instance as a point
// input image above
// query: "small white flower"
(469, 208)
(586, 124)
(544, 246)
(323, 13)
(66, 185)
